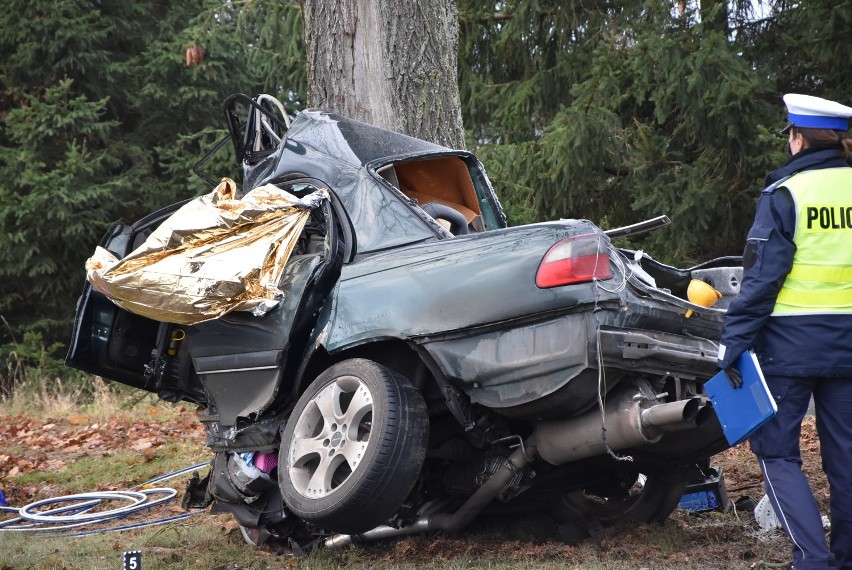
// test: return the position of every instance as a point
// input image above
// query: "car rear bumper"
(550, 367)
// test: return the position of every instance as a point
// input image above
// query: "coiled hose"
(59, 520)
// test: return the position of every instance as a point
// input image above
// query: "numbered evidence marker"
(133, 560)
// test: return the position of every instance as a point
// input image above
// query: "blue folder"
(741, 410)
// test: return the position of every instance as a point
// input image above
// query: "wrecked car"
(425, 363)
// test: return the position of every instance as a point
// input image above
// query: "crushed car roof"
(316, 134)
(365, 144)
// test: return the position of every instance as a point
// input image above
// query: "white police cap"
(816, 113)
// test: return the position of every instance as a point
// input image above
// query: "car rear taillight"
(577, 259)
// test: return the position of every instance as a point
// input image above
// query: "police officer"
(795, 311)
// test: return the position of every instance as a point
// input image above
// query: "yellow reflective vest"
(820, 281)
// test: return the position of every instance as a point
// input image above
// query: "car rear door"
(107, 340)
(237, 359)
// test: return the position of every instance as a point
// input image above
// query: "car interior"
(442, 187)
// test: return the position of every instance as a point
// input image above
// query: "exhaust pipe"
(628, 424)
(682, 415)
(378, 533)
(624, 424)
(485, 494)
(521, 457)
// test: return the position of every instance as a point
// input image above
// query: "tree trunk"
(389, 63)
(715, 14)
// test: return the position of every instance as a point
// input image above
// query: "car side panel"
(521, 363)
(453, 285)
(473, 305)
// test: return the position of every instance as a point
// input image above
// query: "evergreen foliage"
(622, 111)
(615, 112)
(102, 117)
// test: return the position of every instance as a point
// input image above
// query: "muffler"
(628, 421)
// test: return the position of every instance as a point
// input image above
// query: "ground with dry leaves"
(44, 457)
(35, 447)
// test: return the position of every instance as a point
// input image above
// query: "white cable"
(137, 499)
(601, 405)
(29, 512)
(174, 474)
(76, 520)
(623, 269)
(601, 376)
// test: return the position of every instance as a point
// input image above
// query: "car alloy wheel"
(353, 447)
(330, 437)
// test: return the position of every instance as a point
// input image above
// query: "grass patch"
(68, 440)
(203, 542)
(207, 542)
(120, 469)
(86, 394)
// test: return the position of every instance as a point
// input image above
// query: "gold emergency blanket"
(214, 255)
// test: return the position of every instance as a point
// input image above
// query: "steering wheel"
(458, 223)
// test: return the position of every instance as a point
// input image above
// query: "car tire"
(651, 499)
(353, 447)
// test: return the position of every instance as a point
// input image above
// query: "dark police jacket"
(799, 345)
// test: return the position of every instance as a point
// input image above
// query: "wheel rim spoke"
(304, 448)
(328, 403)
(320, 482)
(353, 451)
(331, 437)
(361, 405)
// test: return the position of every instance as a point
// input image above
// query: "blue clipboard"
(741, 410)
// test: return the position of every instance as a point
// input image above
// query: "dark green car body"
(460, 316)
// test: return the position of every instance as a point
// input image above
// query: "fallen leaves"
(231, 525)
(36, 445)
(144, 443)
(78, 419)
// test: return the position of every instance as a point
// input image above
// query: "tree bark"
(390, 63)
(715, 14)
